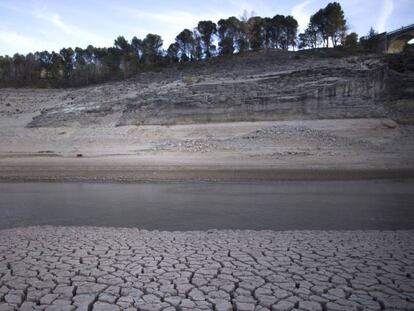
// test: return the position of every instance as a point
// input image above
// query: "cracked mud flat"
(86, 268)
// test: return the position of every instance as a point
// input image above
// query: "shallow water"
(292, 205)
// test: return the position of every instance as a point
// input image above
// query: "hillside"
(279, 110)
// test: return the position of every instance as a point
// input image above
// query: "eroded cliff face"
(252, 87)
(398, 97)
(309, 93)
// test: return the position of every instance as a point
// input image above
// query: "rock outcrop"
(398, 97)
(307, 94)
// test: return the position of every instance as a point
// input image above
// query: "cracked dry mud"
(83, 268)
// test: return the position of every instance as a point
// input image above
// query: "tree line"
(75, 67)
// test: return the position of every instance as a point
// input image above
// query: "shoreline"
(197, 231)
(172, 174)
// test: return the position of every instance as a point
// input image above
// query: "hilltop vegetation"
(78, 67)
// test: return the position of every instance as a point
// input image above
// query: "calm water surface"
(292, 205)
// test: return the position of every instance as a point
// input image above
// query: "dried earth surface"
(86, 268)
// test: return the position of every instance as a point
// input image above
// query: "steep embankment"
(252, 87)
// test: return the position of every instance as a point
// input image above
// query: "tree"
(226, 46)
(232, 35)
(185, 40)
(318, 21)
(279, 32)
(226, 42)
(122, 44)
(311, 38)
(198, 46)
(207, 30)
(109, 61)
(125, 49)
(371, 41)
(351, 41)
(89, 55)
(45, 63)
(326, 24)
(335, 23)
(273, 28)
(18, 63)
(151, 48)
(308, 39)
(173, 52)
(44, 58)
(268, 31)
(5, 68)
(57, 67)
(82, 71)
(31, 69)
(256, 33)
(82, 66)
(112, 59)
(371, 33)
(68, 57)
(103, 63)
(290, 32)
(137, 49)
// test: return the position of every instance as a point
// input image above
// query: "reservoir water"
(290, 205)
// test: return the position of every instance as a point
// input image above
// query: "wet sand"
(131, 170)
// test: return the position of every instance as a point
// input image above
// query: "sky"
(34, 25)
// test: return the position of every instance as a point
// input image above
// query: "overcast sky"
(35, 25)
